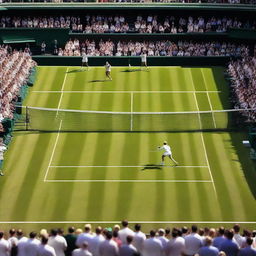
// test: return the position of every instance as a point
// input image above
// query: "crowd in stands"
(152, 48)
(243, 83)
(139, 24)
(15, 67)
(123, 241)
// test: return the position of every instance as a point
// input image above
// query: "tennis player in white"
(167, 152)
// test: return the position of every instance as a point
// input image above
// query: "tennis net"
(50, 119)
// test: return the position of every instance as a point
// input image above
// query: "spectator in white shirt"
(139, 238)
(44, 249)
(86, 236)
(240, 240)
(108, 247)
(96, 241)
(152, 246)
(193, 242)
(22, 242)
(13, 241)
(176, 245)
(124, 232)
(83, 251)
(32, 245)
(128, 249)
(4, 245)
(162, 238)
(58, 242)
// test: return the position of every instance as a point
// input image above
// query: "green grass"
(128, 183)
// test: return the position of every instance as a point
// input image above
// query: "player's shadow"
(152, 167)
(99, 81)
(131, 70)
(75, 71)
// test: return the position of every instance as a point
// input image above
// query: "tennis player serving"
(167, 152)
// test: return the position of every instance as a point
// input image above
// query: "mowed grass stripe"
(222, 176)
(11, 168)
(34, 157)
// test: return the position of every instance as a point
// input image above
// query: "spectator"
(57, 242)
(22, 242)
(83, 251)
(13, 241)
(96, 241)
(128, 249)
(248, 250)
(86, 236)
(193, 242)
(176, 245)
(32, 245)
(45, 249)
(71, 241)
(208, 249)
(4, 245)
(228, 246)
(152, 246)
(161, 237)
(219, 239)
(124, 232)
(139, 238)
(108, 247)
(237, 237)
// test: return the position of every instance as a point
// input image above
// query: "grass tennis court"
(63, 178)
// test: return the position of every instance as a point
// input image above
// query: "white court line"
(209, 167)
(203, 142)
(126, 166)
(62, 91)
(131, 111)
(130, 221)
(213, 118)
(53, 151)
(134, 181)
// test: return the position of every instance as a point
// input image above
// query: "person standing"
(4, 245)
(71, 241)
(208, 249)
(108, 71)
(152, 246)
(85, 60)
(82, 251)
(2, 149)
(45, 249)
(57, 242)
(124, 232)
(32, 245)
(143, 60)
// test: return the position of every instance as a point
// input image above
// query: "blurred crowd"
(119, 23)
(243, 83)
(124, 241)
(152, 48)
(15, 67)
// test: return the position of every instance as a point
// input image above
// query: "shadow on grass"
(152, 167)
(99, 81)
(75, 71)
(131, 70)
